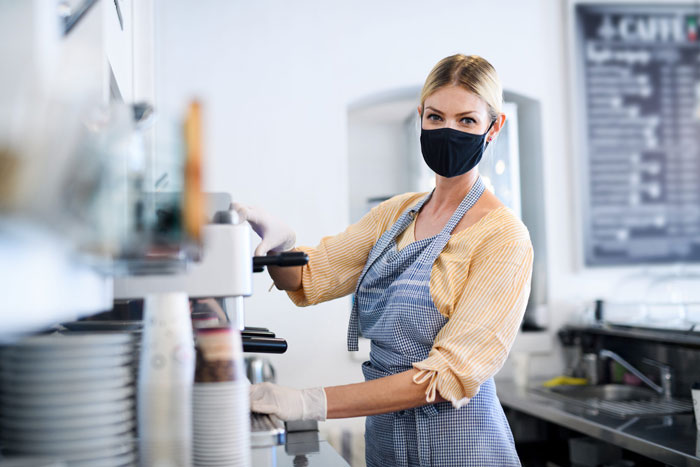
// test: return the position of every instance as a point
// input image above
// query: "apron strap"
(379, 248)
(467, 203)
(441, 239)
(353, 329)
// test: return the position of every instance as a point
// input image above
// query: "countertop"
(301, 449)
(672, 439)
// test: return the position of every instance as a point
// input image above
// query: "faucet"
(664, 372)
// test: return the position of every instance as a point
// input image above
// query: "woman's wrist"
(286, 278)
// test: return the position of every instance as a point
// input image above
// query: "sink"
(608, 392)
(617, 400)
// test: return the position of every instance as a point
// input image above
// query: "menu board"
(637, 69)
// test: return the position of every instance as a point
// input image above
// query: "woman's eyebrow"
(433, 109)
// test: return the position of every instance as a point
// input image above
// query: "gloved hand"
(276, 235)
(287, 403)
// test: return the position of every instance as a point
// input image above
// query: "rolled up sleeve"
(336, 263)
(475, 341)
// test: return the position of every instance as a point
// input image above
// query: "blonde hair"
(471, 72)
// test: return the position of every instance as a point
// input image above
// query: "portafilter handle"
(288, 258)
(264, 344)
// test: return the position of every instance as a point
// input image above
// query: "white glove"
(287, 403)
(276, 235)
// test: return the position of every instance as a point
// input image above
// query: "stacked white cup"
(220, 400)
(165, 382)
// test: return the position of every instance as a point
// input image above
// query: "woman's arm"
(475, 341)
(337, 261)
(286, 278)
(334, 265)
(382, 395)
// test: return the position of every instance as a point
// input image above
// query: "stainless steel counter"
(301, 449)
(671, 439)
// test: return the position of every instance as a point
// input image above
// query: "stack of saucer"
(221, 430)
(70, 397)
(220, 402)
(30, 461)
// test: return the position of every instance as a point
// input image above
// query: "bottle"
(166, 376)
(590, 368)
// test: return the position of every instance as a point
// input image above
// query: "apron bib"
(394, 309)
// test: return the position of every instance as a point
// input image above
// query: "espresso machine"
(221, 269)
(223, 272)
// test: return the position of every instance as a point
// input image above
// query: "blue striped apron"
(394, 309)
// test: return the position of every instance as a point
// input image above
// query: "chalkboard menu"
(637, 69)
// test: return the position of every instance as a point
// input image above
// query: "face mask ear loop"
(487, 132)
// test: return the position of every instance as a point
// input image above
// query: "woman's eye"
(434, 117)
(468, 121)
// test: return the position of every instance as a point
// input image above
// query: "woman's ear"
(497, 125)
(420, 111)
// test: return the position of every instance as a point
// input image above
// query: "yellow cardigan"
(480, 283)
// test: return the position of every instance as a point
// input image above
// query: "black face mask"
(450, 152)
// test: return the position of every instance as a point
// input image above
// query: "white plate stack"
(70, 397)
(220, 401)
(30, 461)
(221, 428)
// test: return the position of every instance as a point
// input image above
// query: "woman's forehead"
(455, 99)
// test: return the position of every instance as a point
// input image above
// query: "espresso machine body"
(223, 272)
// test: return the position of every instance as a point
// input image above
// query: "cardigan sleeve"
(475, 341)
(336, 263)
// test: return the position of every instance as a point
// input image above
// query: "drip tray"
(266, 430)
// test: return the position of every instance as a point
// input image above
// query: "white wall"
(277, 77)
(369, 143)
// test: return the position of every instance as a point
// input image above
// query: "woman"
(441, 281)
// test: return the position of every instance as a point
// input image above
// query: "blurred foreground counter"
(302, 448)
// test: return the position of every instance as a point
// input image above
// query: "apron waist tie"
(353, 331)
